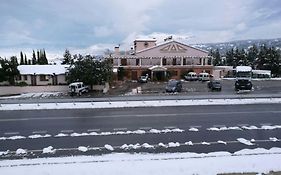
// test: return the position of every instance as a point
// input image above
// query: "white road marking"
(266, 124)
(145, 128)
(119, 129)
(39, 132)
(93, 130)
(196, 126)
(241, 125)
(69, 130)
(11, 133)
(218, 126)
(170, 127)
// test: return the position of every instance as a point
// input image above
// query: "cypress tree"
(25, 59)
(45, 57)
(34, 61)
(21, 58)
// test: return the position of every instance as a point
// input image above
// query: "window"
(25, 77)
(184, 61)
(174, 61)
(146, 44)
(137, 62)
(123, 62)
(18, 78)
(43, 78)
(164, 61)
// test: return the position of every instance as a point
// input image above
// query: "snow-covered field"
(153, 103)
(257, 160)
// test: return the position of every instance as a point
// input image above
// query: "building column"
(181, 61)
(118, 62)
(161, 61)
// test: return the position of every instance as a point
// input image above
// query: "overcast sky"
(90, 26)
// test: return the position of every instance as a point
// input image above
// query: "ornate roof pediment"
(172, 48)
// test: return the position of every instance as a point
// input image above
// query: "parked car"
(191, 76)
(204, 77)
(174, 86)
(214, 85)
(77, 88)
(143, 79)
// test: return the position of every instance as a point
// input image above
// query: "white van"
(204, 77)
(191, 76)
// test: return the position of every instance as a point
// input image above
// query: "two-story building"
(169, 59)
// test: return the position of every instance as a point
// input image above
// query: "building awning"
(157, 68)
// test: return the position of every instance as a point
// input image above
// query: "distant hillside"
(241, 44)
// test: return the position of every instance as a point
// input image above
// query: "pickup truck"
(77, 88)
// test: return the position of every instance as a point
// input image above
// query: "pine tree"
(217, 58)
(67, 58)
(252, 56)
(261, 61)
(230, 57)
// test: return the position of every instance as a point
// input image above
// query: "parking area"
(198, 87)
(137, 88)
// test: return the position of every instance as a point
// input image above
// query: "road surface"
(199, 129)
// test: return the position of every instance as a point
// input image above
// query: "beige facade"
(171, 58)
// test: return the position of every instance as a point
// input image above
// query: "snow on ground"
(109, 147)
(120, 104)
(48, 150)
(248, 160)
(151, 131)
(82, 148)
(194, 129)
(21, 151)
(244, 141)
(35, 95)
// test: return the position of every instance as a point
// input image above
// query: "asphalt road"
(174, 127)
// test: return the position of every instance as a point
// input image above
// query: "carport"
(158, 73)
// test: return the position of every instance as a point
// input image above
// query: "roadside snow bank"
(256, 160)
(128, 104)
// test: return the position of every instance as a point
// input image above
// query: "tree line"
(39, 58)
(8, 67)
(262, 58)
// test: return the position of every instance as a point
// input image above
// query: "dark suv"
(174, 86)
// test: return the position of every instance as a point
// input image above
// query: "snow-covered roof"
(243, 69)
(145, 39)
(42, 69)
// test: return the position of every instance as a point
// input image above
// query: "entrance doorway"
(159, 76)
